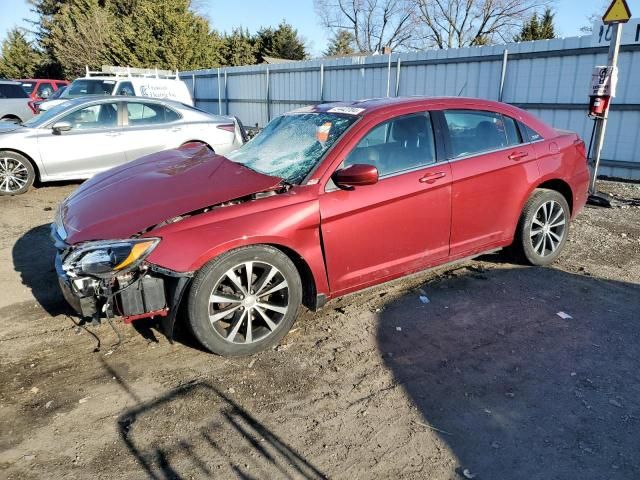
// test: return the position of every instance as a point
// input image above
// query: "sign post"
(617, 13)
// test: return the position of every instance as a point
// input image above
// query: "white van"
(137, 82)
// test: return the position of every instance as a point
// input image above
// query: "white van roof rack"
(129, 72)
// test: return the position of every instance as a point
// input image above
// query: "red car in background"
(325, 201)
(41, 88)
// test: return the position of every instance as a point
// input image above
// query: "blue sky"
(226, 14)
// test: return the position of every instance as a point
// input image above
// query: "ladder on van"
(130, 72)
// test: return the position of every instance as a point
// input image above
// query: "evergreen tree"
(263, 43)
(340, 44)
(287, 43)
(239, 48)
(18, 58)
(536, 30)
(547, 28)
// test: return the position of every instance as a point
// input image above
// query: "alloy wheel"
(13, 175)
(548, 228)
(248, 302)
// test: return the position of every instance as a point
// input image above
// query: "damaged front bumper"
(148, 291)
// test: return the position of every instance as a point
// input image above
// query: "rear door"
(92, 145)
(149, 127)
(491, 167)
(400, 224)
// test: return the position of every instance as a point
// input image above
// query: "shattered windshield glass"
(291, 145)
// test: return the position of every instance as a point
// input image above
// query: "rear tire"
(543, 228)
(244, 301)
(16, 173)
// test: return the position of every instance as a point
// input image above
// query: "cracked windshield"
(291, 145)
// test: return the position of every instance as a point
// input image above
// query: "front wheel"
(543, 228)
(244, 301)
(16, 173)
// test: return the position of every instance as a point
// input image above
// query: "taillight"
(228, 127)
(33, 107)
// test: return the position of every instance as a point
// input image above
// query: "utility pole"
(617, 14)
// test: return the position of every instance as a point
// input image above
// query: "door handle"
(432, 177)
(515, 156)
(112, 134)
(176, 129)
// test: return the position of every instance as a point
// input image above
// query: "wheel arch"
(559, 186)
(35, 166)
(201, 142)
(11, 117)
(309, 289)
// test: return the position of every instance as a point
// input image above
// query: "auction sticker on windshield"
(347, 110)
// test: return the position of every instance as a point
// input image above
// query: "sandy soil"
(486, 379)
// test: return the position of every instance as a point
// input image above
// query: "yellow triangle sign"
(618, 11)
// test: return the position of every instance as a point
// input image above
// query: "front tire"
(543, 228)
(16, 173)
(244, 301)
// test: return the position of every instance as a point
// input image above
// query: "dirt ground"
(486, 379)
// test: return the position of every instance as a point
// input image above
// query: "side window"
(531, 133)
(170, 115)
(145, 114)
(511, 129)
(403, 143)
(476, 131)
(60, 85)
(104, 115)
(44, 90)
(126, 88)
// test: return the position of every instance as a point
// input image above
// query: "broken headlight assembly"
(106, 258)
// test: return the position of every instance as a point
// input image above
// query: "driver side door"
(400, 224)
(91, 146)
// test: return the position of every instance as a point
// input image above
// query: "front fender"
(186, 246)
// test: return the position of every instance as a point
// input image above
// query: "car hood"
(138, 195)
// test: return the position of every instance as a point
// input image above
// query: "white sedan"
(88, 135)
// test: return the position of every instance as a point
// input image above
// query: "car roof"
(9, 82)
(376, 105)
(384, 105)
(40, 80)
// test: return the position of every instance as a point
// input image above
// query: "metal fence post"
(193, 83)
(389, 75)
(322, 83)
(226, 94)
(398, 77)
(219, 94)
(505, 56)
(268, 98)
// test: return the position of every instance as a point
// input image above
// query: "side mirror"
(355, 176)
(61, 126)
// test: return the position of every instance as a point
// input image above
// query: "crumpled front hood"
(130, 198)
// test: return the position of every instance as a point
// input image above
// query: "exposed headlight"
(107, 257)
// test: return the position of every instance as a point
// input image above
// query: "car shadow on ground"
(228, 442)
(33, 257)
(513, 388)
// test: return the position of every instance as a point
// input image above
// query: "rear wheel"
(543, 228)
(244, 301)
(16, 173)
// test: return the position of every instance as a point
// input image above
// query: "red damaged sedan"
(327, 200)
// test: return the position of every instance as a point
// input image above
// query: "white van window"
(82, 87)
(126, 88)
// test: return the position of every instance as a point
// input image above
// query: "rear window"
(28, 87)
(531, 133)
(82, 87)
(12, 90)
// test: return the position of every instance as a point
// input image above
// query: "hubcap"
(248, 302)
(548, 228)
(13, 175)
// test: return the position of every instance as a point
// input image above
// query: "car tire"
(543, 228)
(269, 304)
(16, 173)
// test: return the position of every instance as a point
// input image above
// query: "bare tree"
(463, 23)
(375, 24)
